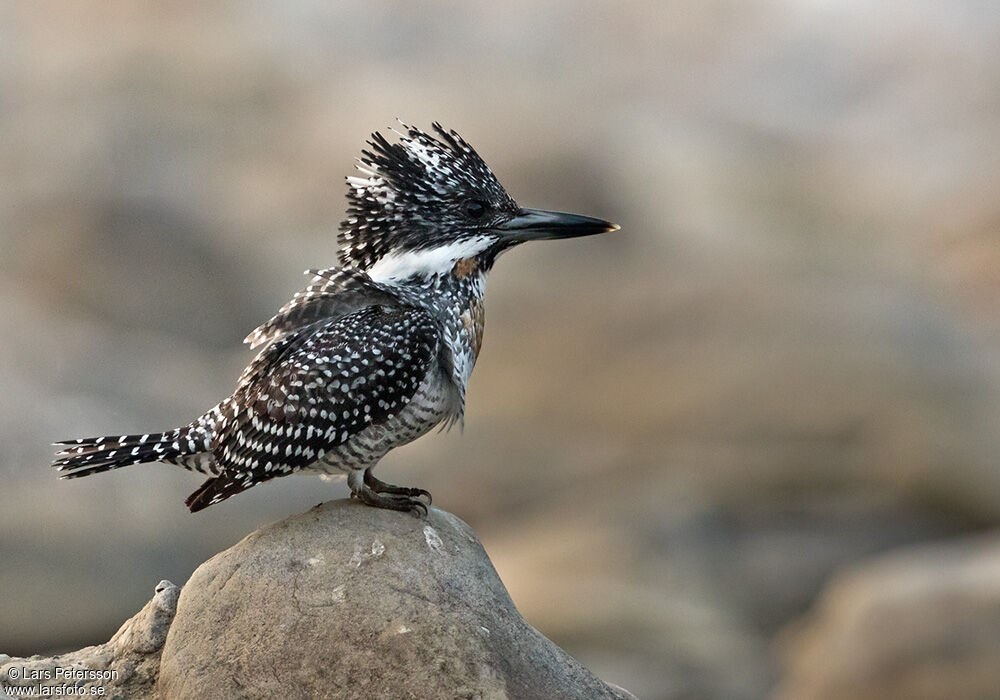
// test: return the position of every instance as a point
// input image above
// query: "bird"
(373, 353)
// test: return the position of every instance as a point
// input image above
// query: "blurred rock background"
(786, 363)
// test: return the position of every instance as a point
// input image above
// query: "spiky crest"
(414, 195)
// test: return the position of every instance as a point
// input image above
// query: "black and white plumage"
(371, 355)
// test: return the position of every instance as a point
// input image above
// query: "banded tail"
(88, 456)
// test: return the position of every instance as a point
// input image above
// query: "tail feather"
(215, 490)
(94, 455)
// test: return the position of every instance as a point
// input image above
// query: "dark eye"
(475, 209)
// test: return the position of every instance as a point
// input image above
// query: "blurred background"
(745, 448)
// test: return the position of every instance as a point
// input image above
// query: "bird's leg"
(373, 492)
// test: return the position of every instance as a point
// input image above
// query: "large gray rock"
(346, 601)
(343, 601)
(921, 624)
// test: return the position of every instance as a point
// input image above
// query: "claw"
(380, 495)
(420, 493)
(413, 494)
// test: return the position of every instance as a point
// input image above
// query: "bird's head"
(429, 201)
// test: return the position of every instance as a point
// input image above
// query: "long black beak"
(538, 224)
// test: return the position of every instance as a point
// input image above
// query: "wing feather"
(332, 293)
(315, 388)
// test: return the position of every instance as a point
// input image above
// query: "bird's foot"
(379, 486)
(377, 493)
(391, 501)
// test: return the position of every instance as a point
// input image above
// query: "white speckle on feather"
(313, 561)
(338, 594)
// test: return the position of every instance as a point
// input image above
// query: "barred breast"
(434, 401)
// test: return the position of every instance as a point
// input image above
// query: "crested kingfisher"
(373, 353)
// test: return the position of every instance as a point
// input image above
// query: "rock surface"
(346, 601)
(342, 601)
(923, 624)
(125, 667)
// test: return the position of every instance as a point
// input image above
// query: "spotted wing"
(332, 293)
(314, 389)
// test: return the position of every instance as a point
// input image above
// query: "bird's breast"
(433, 402)
(473, 322)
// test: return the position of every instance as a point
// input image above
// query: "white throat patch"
(427, 261)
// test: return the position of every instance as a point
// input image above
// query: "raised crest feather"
(410, 193)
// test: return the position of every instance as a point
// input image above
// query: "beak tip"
(613, 227)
